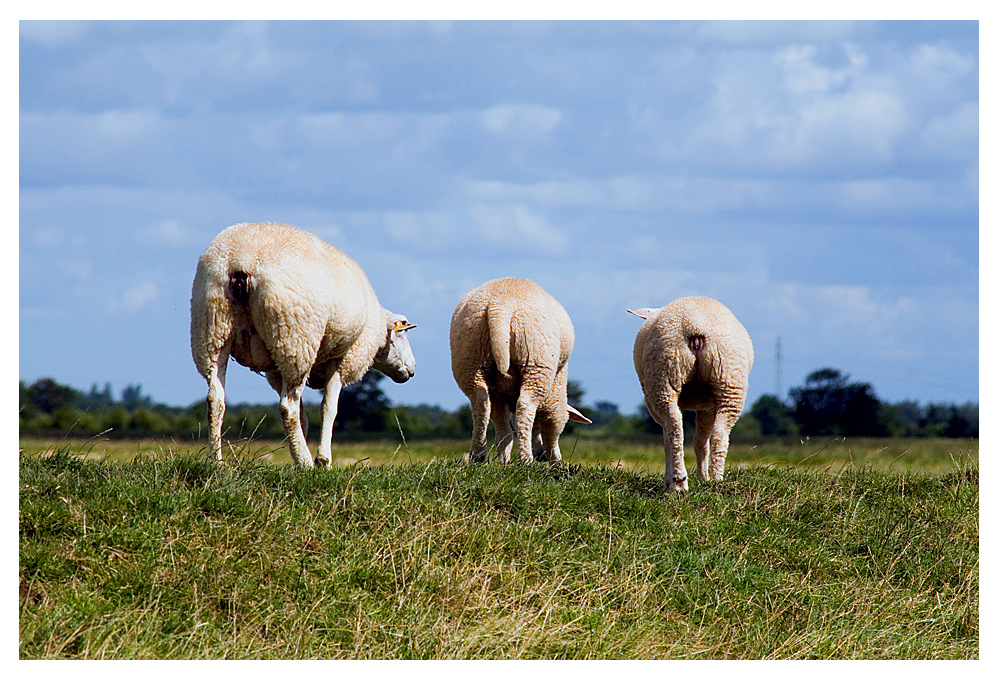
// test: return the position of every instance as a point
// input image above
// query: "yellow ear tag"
(399, 325)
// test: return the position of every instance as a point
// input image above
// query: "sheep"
(282, 302)
(693, 354)
(510, 345)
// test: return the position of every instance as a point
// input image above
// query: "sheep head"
(395, 357)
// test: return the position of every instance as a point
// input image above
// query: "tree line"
(827, 404)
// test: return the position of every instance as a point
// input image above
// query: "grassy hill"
(174, 556)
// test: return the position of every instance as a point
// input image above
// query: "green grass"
(155, 551)
(637, 453)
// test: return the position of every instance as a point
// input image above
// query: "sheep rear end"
(248, 348)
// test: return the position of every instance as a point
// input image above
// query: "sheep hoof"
(322, 462)
(677, 485)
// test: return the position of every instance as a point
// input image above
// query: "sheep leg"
(479, 399)
(291, 406)
(331, 398)
(303, 418)
(702, 441)
(548, 428)
(550, 447)
(539, 450)
(504, 430)
(527, 408)
(275, 380)
(719, 444)
(536, 383)
(216, 402)
(676, 472)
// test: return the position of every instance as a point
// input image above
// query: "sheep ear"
(644, 313)
(576, 415)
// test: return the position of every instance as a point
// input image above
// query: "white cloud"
(79, 270)
(126, 125)
(502, 228)
(706, 196)
(339, 129)
(385, 135)
(774, 32)
(167, 232)
(56, 238)
(138, 296)
(521, 121)
(517, 228)
(424, 230)
(937, 62)
(53, 33)
(627, 192)
(802, 74)
(244, 52)
(800, 107)
(362, 85)
(951, 135)
(269, 136)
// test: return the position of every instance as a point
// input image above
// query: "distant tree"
(861, 412)
(363, 406)
(602, 413)
(98, 399)
(74, 420)
(48, 396)
(464, 416)
(773, 416)
(646, 423)
(955, 421)
(132, 398)
(574, 393)
(830, 405)
(900, 420)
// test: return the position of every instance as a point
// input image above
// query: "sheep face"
(395, 357)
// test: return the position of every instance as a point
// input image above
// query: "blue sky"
(819, 178)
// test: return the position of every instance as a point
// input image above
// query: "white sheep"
(693, 354)
(281, 301)
(510, 346)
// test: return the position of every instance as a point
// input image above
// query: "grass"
(127, 554)
(638, 453)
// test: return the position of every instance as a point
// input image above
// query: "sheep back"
(511, 323)
(309, 302)
(693, 339)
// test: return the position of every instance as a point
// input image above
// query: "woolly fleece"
(510, 347)
(693, 354)
(311, 318)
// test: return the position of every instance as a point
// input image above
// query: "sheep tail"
(498, 317)
(238, 289)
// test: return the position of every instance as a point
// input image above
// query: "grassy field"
(639, 454)
(820, 549)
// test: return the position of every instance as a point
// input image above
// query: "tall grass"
(174, 556)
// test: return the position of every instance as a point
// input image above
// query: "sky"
(821, 179)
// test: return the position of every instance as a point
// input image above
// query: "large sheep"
(283, 302)
(693, 354)
(510, 345)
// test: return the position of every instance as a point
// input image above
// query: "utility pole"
(778, 369)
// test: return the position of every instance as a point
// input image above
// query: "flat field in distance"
(807, 550)
(645, 454)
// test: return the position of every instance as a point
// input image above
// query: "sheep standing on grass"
(281, 301)
(510, 346)
(693, 354)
